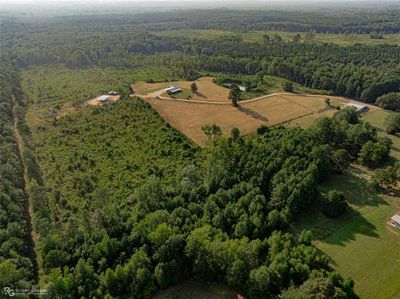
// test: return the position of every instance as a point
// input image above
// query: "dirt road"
(27, 205)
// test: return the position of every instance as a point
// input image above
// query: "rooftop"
(357, 106)
(103, 98)
(396, 218)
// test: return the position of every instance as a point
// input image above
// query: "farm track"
(282, 94)
(27, 204)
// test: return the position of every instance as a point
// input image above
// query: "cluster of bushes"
(387, 177)
(392, 123)
(389, 101)
(358, 139)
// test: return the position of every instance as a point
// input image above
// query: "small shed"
(104, 98)
(173, 89)
(394, 221)
(242, 88)
(359, 107)
(396, 218)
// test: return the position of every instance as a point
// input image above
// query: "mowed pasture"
(362, 246)
(214, 108)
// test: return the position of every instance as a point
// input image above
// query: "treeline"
(356, 71)
(332, 20)
(17, 267)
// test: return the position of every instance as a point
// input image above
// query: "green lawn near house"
(360, 243)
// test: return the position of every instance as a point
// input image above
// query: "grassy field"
(377, 119)
(196, 290)
(271, 110)
(292, 109)
(256, 36)
(360, 243)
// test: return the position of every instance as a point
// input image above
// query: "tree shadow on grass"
(356, 224)
(252, 113)
(199, 94)
(356, 189)
(346, 227)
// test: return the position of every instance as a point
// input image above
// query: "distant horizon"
(39, 8)
(144, 2)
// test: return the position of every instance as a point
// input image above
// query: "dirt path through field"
(157, 94)
(27, 206)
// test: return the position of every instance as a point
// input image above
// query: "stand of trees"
(16, 266)
(390, 101)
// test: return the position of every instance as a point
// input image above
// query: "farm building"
(173, 89)
(104, 98)
(395, 221)
(359, 108)
(112, 93)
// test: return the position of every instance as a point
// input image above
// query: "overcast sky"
(184, 1)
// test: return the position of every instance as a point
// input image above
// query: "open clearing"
(360, 242)
(189, 115)
(207, 89)
(97, 100)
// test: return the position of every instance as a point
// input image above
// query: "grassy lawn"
(377, 118)
(360, 243)
(196, 290)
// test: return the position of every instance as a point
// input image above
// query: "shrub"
(334, 204)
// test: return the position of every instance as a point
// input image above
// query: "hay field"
(189, 117)
(212, 106)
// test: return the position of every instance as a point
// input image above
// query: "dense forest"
(17, 264)
(359, 71)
